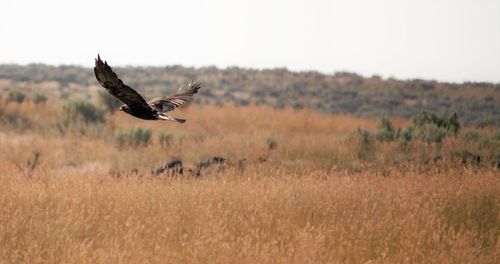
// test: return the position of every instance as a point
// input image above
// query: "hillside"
(477, 104)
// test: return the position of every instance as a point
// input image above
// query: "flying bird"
(135, 104)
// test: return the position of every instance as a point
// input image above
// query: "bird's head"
(124, 108)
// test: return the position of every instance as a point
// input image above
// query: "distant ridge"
(477, 103)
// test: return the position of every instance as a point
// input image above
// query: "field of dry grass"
(317, 196)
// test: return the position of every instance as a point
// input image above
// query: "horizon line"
(299, 71)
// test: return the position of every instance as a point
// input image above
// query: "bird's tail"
(163, 116)
(179, 120)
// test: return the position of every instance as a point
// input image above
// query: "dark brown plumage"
(134, 103)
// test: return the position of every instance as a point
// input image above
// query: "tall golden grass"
(313, 201)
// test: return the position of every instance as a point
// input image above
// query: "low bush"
(80, 115)
(165, 139)
(16, 96)
(39, 98)
(135, 137)
(427, 127)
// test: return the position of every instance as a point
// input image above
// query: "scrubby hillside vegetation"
(477, 104)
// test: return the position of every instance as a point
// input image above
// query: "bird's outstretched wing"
(109, 80)
(169, 103)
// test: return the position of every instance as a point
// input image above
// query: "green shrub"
(449, 124)
(432, 128)
(406, 136)
(366, 137)
(81, 110)
(80, 114)
(271, 143)
(16, 96)
(385, 131)
(429, 128)
(165, 139)
(366, 148)
(431, 133)
(39, 98)
(133, 138)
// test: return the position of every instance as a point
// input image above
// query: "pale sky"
(447, 40)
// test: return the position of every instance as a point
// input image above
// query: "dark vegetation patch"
(427, 133)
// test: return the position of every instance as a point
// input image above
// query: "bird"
(134, 103)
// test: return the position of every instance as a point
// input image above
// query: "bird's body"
(135, 104)
(145, 114)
